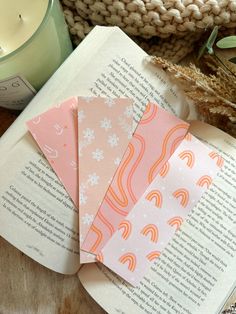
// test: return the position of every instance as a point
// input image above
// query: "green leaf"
(201, 51)
(212, 38)
(227, 42)
(233, 60)
(207, 47)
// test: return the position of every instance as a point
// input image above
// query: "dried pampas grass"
(214, 95)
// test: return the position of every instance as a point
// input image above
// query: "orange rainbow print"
(164, 170)
(157, 196)
(152, 230)
(204, 180)
(189, 156)
(147, 229)
(130, 259)
(153, 255)
(100, 257)
(126, 228)
(219, 159)
(175, 222)
(188, 136)
(183, 194)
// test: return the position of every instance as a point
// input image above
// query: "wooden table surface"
(26, 287)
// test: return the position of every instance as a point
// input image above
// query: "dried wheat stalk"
(213, 95)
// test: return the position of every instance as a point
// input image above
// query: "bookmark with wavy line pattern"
(155, 139)
(151, 224)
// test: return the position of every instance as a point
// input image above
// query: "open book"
(38, 217)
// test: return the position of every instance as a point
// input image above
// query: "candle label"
(15, 92)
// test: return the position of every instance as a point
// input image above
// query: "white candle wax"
(34, 41)
(19, 20)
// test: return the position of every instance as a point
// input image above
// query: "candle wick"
(20, 16)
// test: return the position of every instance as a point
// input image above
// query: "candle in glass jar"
(34, 41)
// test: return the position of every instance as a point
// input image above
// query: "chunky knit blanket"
(165, 28)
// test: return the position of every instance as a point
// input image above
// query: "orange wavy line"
(134, 167)
(99, 238)
(164, 145)
(124, 202)
(175, 144)
(152, 116)
(106, 223)
(112, 206)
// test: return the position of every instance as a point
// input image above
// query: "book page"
(223, 224)
(107, 62)
(196, 271)
(36, 213)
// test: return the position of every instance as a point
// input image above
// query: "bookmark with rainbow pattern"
(150, 225)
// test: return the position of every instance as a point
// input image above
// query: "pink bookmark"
(157, 136)
(55, 131)
(105, 129)
(150, 225)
